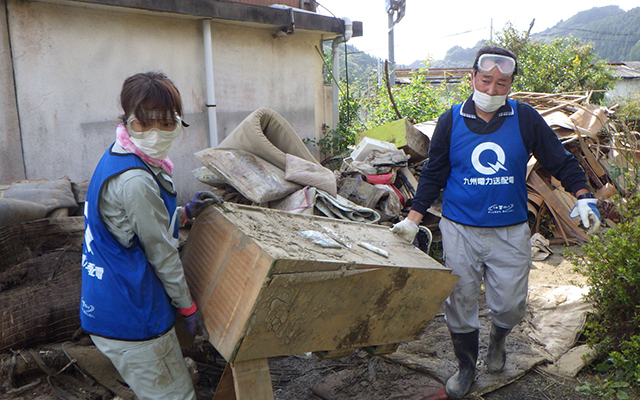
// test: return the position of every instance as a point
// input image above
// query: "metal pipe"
(392, 61)
(211, 93)
(348, 32)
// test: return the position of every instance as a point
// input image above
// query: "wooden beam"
(333, 354)
(245, 380)
(252, 380)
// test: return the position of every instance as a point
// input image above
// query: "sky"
(430, 28)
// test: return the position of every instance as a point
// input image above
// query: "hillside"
(360, 64)
(615, 34)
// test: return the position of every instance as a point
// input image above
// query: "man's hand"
(588, 212)
(199, 202)
(406, 229)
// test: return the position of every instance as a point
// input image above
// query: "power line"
(592, 31)
(465, 32)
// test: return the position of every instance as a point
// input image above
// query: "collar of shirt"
(478, 125)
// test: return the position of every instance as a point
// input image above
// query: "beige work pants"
(154, 369)
(500, 256)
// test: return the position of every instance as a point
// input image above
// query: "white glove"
(588, 212)
(406, 229)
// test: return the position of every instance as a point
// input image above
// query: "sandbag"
(40, 281)
(311, 174)
(205, 175)
(255, 178)
(14, 211)
(52, 194)
(268, 135)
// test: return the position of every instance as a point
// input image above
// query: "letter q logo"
(489, 169)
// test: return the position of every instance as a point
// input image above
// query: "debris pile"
(377, 182)
(263, 162)
(588, 132)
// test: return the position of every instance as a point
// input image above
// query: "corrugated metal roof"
(626, 70)
(434, 75)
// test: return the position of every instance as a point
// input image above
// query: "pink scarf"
(122, 137)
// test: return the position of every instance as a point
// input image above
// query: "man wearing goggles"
(506, 65)
(478, 157)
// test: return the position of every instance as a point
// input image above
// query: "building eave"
(224, 11)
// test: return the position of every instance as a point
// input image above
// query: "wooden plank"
(410, 180)
(591, 159)
(383, 349)
(570, 229)
(333, 354)
(252, 380)
(225, 389)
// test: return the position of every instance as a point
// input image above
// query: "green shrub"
(419, 101)
(564, 65)
(612, 266)
(611, 263)
(334, 142)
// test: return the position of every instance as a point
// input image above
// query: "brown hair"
(149, 90)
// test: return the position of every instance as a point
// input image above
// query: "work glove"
(193, 321)
(199, 202)
(588, 212)
(406, 229)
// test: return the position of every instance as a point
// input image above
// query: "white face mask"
(155, 142)
(486, 102)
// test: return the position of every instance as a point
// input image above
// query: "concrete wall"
(70, 63)
(11, 162)
(624, 89)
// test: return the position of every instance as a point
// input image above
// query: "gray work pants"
(502, 257)
(154, 369)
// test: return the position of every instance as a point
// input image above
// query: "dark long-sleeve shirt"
(538, 138)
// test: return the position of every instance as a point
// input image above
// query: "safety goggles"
(168, 128)
(506, 65)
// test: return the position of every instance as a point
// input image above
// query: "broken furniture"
(266, 288)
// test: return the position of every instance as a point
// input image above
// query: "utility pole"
(395, 11)
(491, 31)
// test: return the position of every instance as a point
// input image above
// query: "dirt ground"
(360, 376)
(363, 376)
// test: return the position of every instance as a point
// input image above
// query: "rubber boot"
(496, 353)
(465, 347)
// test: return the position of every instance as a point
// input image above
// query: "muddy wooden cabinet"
(271, 283)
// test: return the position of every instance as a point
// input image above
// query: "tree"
(418, 101)
(565, 65)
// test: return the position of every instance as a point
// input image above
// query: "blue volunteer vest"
(487, 184)
(122, 298)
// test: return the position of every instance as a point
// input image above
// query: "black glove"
(195, 324)
(199, 202)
